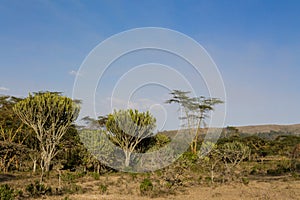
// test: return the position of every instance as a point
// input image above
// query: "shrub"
(279, 170)
(245, 180)
(29, 188)
(38, 189)
(6, 193)
(189, 158)
(95, 175)
(103, 188)
(19, 193)
(68, 177)
(133, 176)
(72, 189)
(146, 187)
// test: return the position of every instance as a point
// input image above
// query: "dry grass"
(255, 190)
(122, 186)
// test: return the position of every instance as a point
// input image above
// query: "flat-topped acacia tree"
(195, 112)
(50, 115)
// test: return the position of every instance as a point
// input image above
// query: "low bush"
(95, 175)
(278, 171)
(146, 187)
(6, 193)
(245, 181)
(72, 189)
(37, 189)
(103, 188)
(70, 177)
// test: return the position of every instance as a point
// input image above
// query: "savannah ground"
(117, 186)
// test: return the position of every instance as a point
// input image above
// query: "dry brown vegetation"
(127, 186)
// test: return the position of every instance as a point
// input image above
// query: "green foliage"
(127, 128)
(95, 175)
(280, 169)
(12, 135)
(146, 187)
(234, 152)
(98, 145)
(50, 115)
(6, 193)
(129, 124)
(37, 189)
(103, 188)
(159, 141)
(8, 119)
(71, 177)
(284, 144)
(245, 181)
(188, 159)
(72, 189)
(67, 198)
(49, 110)
(70, 150)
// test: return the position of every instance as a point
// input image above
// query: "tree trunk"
(212, 174)
(47, 162)
(98, 168)
(59, 179)
(34, 166)
(127, 158)
(47, 166)
(43, 169)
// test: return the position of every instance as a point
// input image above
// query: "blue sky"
(255, 45)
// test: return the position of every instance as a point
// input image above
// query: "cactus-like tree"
(49, 114)
(127, 128)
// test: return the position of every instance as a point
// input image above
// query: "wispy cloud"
(4, 88)
(74, 73)
(139, 104)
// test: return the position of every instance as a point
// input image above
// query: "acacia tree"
(127, 128)
(196, 111)
(49, 114)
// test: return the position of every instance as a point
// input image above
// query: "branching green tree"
(295, 158)
(127, 128)
(212, 157)
(10, 152)
(258, 146)
(233, 153)
(12, 135)
(49, 114)
(196, 111)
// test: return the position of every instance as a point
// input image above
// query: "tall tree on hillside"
(196, 111)
(49, 114)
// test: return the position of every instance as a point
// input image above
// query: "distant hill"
(262, 130)
(292, 129)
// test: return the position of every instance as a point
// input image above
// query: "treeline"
(26, 145)
(38, 133)
(38, 136)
